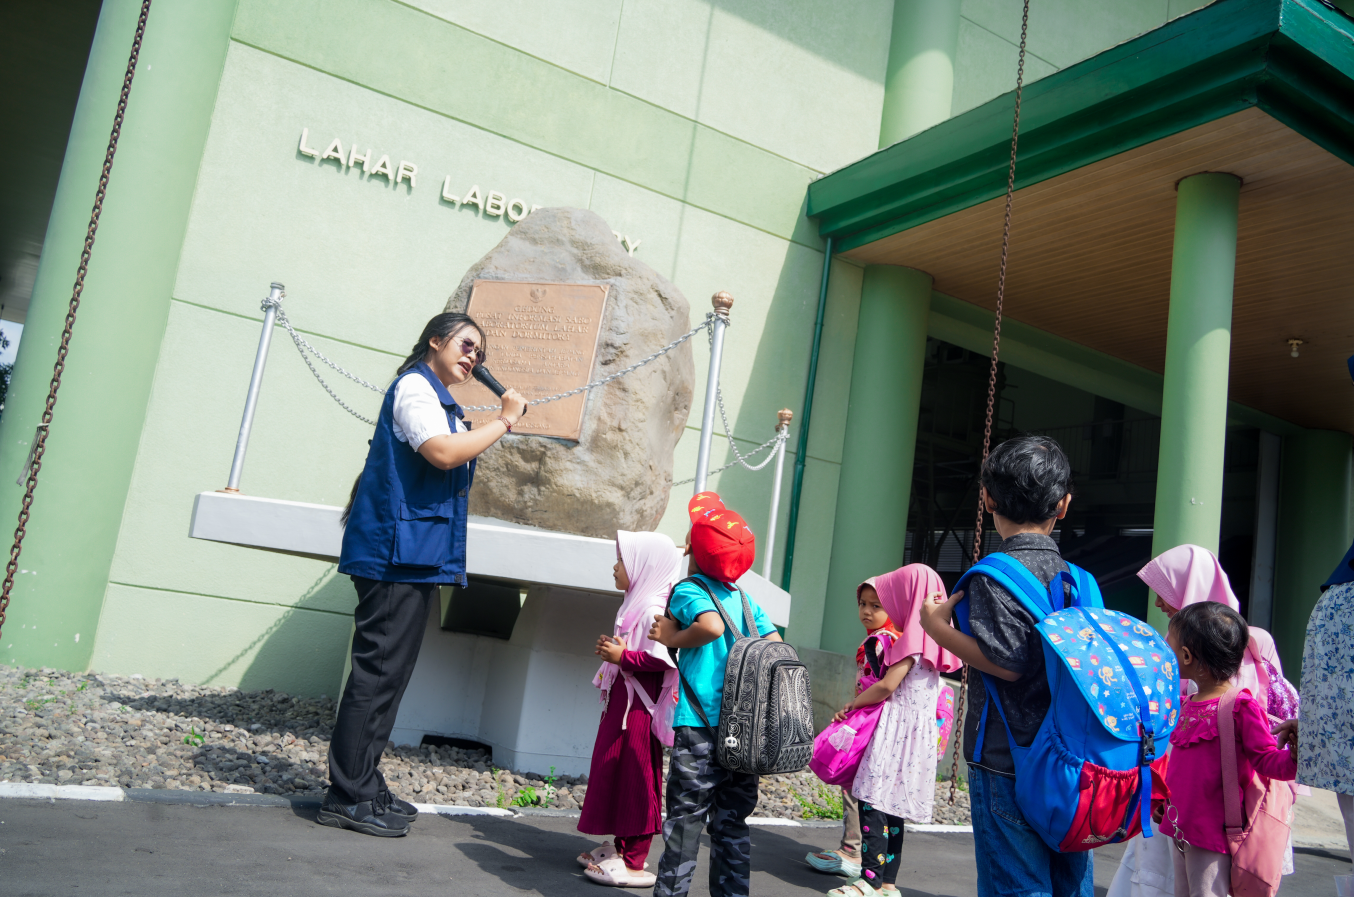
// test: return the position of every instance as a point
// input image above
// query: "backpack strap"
(729, 630)
(1147, 749)
(872, 657)
(1016, 578)
(1013, 576)
(1039, 600)
(1231, 782)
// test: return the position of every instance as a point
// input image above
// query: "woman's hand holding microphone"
(512, 406)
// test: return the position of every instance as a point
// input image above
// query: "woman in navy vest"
(404, 536)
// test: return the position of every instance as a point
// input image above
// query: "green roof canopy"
(1293, 59)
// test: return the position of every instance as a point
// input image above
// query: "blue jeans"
(1012, 858)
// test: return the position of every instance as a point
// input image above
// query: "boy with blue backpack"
(1063, 718)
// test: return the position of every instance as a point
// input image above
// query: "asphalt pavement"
(81, 847)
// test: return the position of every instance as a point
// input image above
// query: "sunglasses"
(468, 347)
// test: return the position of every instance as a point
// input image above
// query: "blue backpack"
(1085, 780)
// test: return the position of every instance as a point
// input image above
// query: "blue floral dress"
(1326, 736)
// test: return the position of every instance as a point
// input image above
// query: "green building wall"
(688, 141)
(93, 442)
(692, 128)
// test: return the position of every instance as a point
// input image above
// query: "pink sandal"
(613, 873)
(604, 851)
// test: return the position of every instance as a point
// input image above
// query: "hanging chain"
(707, 324)
(306, 349)
(992, 372)
(738, 458)
(34, 462)
(743, 459)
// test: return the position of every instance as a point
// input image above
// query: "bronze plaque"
(542, 341)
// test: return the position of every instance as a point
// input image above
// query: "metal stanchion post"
(722, 302)
(783, 417)
(251, 401)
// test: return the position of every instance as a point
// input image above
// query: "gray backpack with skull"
(766, 716)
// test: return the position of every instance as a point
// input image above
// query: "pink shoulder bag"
(1255, 841)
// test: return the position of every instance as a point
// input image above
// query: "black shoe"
(396, 807)
(369, 817)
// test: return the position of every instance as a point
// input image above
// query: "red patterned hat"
(702, 502)
(721, 542)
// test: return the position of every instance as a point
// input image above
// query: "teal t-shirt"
(703, 667)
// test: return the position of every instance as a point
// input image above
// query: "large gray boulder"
(619, 473)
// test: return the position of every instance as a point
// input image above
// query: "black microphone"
(481, 373)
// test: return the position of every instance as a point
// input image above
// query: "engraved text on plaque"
(542, 340)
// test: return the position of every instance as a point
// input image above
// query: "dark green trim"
(1294, 59)
(802, 450)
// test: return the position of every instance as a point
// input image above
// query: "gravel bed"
(95, 729)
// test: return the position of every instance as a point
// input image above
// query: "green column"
(1198, 346)
(880, 441)
(93, 441)
(919, 81)
(1314, 492)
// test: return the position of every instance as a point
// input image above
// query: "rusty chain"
(992, 377)
(34, 463)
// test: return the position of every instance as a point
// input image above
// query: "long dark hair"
(440, 326)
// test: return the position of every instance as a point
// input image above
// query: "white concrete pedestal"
(530, 697)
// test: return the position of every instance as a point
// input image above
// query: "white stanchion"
(722, 302)
(784, 416)
(251, 400)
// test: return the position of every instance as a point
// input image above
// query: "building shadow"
(303, 651)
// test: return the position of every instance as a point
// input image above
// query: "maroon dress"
(625, 786)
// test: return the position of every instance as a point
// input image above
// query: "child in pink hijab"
(1189, 574)
(639, 687)
(897, 775)
(1182, 576)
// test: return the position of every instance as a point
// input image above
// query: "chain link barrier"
(782, 433)
(33, 465)
(992, 376)
(305, 347)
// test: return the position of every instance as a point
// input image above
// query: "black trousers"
(389, 620)
(881, 853)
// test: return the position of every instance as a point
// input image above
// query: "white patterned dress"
(898, 769)
(1326, 734)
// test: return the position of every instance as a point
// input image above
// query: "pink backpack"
(1255, 841)
(944, 719)
(838, 748)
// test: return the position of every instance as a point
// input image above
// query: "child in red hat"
(720, 548)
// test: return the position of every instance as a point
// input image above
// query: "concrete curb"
(60, 792)
(23, 790)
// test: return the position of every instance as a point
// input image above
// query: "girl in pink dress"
(1209, 639)
(1183, 576)
(638, 684)
(897, 775)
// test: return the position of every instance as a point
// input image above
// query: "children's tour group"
(1082, 725)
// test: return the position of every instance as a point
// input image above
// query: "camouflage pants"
(698, 788)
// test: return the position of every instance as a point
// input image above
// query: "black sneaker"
(369, 817)
(396, 807)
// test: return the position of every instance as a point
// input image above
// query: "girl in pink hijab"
(1188, 574)
(1181, 576)
(638, 684)
(897, 776)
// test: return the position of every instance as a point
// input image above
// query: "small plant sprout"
(826, 803)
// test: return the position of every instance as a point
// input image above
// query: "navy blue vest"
(408, 517)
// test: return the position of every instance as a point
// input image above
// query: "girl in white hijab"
(639, 688)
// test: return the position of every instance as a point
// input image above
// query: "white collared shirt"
(419, 414)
